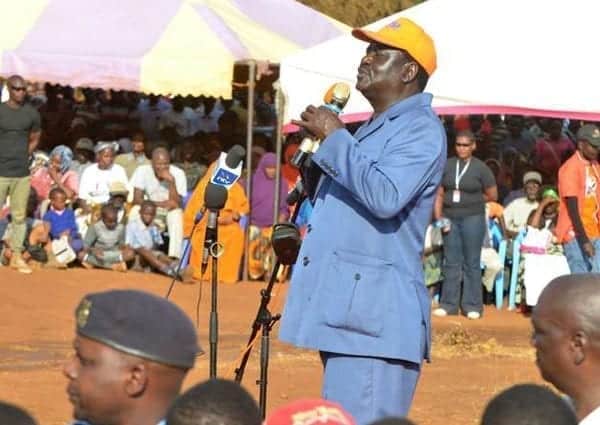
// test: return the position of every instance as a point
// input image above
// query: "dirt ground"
(471, 360)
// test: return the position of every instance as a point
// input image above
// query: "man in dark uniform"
(20, 129)
(132, 352)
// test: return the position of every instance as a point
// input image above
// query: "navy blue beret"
(140, 324)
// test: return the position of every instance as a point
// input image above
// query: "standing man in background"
(578, 226)
(20, 129)
(357, 292)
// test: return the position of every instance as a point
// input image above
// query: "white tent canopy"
(530, 57)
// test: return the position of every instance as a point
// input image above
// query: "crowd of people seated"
(118, 179)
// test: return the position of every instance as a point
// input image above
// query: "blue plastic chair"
(514, 274)
(499, 243)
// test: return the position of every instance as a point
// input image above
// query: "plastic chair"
(186, 199)
(499, 243)
(244, 221)
(514, 273)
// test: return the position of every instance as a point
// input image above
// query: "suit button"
(308, 228)
(305, 261)
(357, 276)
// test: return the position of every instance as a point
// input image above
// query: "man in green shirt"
(20, 129)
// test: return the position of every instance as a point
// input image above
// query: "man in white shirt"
(166, 186)
(566, 337)
(517, 212)
(94, 186)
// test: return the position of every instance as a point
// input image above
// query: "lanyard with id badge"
(458, 177)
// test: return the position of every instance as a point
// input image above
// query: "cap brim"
(371, 37)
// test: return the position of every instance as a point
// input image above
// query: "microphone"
(215, 197)
(295, 194)
(227, 172)
(229, 167)
(335, 99)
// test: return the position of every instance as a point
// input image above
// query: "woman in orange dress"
(230, 233)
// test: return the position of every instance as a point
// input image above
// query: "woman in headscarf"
(261, 214)
(230, 232)
(56, 173)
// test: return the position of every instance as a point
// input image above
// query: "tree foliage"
(358, 13)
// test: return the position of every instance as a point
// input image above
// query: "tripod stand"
(264, 322)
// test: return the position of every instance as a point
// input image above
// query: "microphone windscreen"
(235, 155)
(215, 196)
(337, 96)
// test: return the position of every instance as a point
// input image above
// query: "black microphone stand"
(213, 335)
(264, 321)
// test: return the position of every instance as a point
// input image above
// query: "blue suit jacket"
(357, 287)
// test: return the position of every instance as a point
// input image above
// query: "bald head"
(575, 298)
(566, 337)
(161, 153)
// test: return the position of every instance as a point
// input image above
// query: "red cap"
(310, 412)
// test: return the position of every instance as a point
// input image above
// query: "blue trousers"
(578, 260)
(369, 388)
(462, 262)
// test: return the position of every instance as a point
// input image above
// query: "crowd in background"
(118, 179)
(509, 182)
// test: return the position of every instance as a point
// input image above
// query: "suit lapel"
(370, 128)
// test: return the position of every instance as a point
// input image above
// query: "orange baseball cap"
(406, 35)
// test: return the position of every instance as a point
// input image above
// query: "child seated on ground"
(144, 237)
(62, 220)
(104, 243)
(36, 243)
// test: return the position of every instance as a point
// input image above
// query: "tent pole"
(278, 147)
(249, 134)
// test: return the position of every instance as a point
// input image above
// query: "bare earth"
(471, 360)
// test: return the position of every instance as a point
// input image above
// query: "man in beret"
(132, 352)
(362, 302)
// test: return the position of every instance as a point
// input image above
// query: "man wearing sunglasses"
(357, 292)
(20, 128)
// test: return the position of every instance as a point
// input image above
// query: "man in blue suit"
(357, 292)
